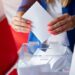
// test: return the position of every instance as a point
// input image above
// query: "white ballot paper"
(40, 19)
(72, 70)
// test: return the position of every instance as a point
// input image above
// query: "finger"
(60, 30)
(21, 29)
(26, 21)
(17, 18)
(22, 20)
(58, 19)
(26, 25)
(63, 17)
(21, 24)
(26, 30)
(58, 24)
(53, 22)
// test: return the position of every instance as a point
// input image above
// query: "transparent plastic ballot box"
(35, 59)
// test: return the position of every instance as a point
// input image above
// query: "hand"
(21, 25)
(61, 24)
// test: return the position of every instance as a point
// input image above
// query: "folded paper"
(40, 19)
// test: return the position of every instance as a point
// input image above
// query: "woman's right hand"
(21, 25)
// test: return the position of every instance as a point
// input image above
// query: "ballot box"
(51, 54)
(46, 60)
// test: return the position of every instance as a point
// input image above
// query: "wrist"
(20, 13)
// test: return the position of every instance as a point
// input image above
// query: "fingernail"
(49, 24)
(50, 29)
(51, 32)
(28, 21)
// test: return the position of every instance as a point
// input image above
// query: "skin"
(21, 24)
(61, 24)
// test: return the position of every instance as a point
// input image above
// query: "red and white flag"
(10, 40)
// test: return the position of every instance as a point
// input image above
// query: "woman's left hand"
(61, 24)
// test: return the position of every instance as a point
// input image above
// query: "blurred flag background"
(10, 40)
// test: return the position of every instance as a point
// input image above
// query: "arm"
(24, 6)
